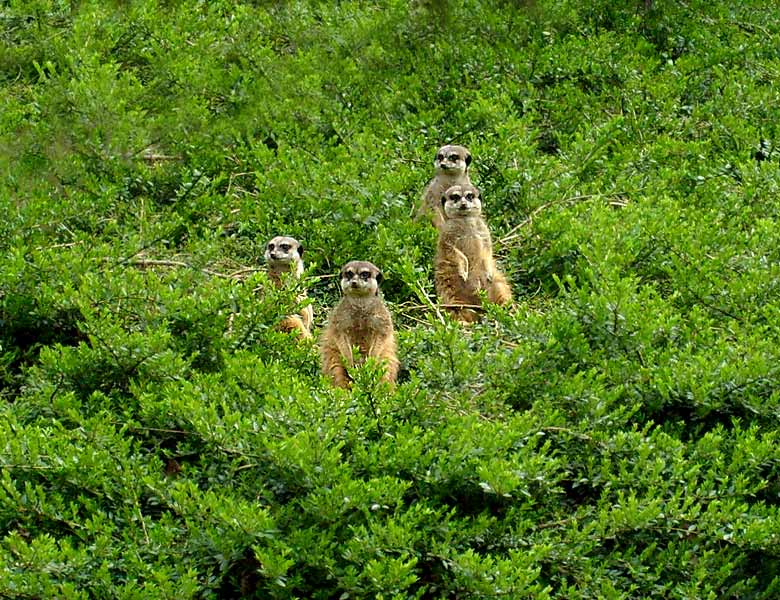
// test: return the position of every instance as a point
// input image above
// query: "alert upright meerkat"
(464, 261)
(360, 319)
(452, 168)
(285, 255)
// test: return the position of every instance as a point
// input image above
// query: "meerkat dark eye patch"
(454, 157)
(348, 275)
(270, 246)
(365, 275)
(286, 247)
(439, 157)
(455, 197)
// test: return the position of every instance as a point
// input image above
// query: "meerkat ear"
(300, 249)
(379, 276)
(468, 159)
(443, 200)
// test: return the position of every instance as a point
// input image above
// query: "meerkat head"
(452, 160)
(360, 278)
(281, 253)
(461, 201)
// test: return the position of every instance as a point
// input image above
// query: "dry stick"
(233, 176)
(237, 274)
(415, 319)
(148, 262)
(413, 306)
(146, 246)
(430, 303)
(511, 234)
(56, 246)
(159, 157)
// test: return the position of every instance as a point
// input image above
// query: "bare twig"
(160, 157)
(239, 274)
(232, 177)
(56, 246)
(424, 296)
(148, 262)
(428, 306)
(513, 233)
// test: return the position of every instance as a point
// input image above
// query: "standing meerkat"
(464, 261)
(452, 168)
(285, 255)
(360, 319)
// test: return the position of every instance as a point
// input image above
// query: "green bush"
(613, 434)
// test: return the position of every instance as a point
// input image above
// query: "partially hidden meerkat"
(464, 262)
(452, 168)
(285, 255)
(360, 319)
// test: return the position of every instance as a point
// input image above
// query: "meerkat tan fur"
(452, 168)
(464, 261)
(360, 319)
(285, 255)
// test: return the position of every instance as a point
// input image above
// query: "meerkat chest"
(472, 239)
(365, 321)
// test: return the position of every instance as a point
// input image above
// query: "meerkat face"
(461, 201)
(281, 252)
(360, 278)
(452, 160)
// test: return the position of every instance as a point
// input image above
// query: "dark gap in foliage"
(544, 266)
(129, 50)
(23, 334)
(689, 422)
(241, 578)
(764, 151)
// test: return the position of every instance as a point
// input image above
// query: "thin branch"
(513, 233)
(146, 246)
(413, 306)
(149, 262)
(424, 296)
(238, 274)
(159, 157)
(56, 246)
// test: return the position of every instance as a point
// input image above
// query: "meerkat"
(464, 261)
(360, 319)
(452, 168)
(285, 255)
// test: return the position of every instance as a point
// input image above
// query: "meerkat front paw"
(463, 264)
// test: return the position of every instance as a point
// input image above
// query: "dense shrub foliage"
(612, 435)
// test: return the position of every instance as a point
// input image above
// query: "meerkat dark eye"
(365, 275)
(455, 197)
(469, 196)
(286, 247)
(454, 157)
(270, 246)
(439, 157)
(349, 274)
